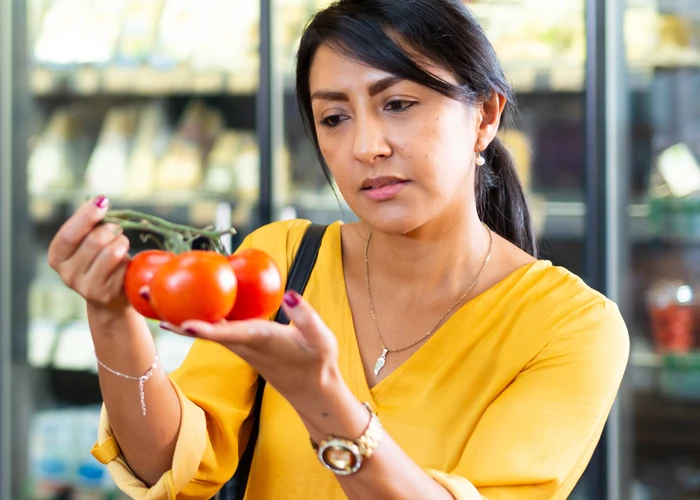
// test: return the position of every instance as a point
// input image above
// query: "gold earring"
(480, 161)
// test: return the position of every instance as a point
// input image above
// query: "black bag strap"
(297, 280)
(303, 264)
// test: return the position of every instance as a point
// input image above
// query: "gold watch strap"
(369, 441)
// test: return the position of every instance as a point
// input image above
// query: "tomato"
(259, 285)
(138, 279)
(196, 285)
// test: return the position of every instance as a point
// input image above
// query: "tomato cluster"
(203, 285)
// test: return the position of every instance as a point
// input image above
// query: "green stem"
(177, 237)
(173, 239)
(208, 232)
(146, 237)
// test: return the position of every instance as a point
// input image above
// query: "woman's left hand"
(299, 359)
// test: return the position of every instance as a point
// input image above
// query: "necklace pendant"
(380, 362)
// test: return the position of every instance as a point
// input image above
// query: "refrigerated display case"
(153, 103)
(661, 272)
(114, 96)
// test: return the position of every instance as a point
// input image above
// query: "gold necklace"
(381, 361)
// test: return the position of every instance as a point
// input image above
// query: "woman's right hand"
(91, 257)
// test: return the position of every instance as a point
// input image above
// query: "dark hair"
(445, 32)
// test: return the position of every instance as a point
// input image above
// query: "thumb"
(306, 320)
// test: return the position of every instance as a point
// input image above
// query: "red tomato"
(194, 285)
(138, 279)
(259, 285)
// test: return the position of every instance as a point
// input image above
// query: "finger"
(90, 249)
(109, 264)
(98, 284)
(241, 349)
(111, 256)
(306, 320)
(72, 232)
(233, 332)
(115, 283)
(110, 291)
(169, 327)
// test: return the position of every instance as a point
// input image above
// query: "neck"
(427, 257)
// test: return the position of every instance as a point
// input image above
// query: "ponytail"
(500, 198)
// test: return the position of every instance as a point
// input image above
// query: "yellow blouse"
(506, 401)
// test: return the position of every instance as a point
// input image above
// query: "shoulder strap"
(303, 264)
(297, 280)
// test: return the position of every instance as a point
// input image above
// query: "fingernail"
(291, 299)
(101, 202)
(143, 292)
(191, 332)
(167, 327)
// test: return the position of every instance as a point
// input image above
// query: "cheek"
(332, 151)
(446, 148)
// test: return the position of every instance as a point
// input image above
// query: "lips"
(383, 189)
(380, 182)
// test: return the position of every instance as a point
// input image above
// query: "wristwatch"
(344, 456)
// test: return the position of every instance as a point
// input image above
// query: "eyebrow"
(374, 89)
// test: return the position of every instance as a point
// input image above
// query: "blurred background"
(186, 110)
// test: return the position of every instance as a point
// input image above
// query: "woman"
(491, 372)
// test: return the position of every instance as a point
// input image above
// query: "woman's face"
(401, 153)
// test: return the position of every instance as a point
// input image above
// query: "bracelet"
(141, 380)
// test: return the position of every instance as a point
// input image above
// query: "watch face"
(341, 456)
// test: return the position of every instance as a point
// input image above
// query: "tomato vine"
(177, 238)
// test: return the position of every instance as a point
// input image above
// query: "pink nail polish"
(291, 299)
(166, 327)
(191, 332)
(101, 202)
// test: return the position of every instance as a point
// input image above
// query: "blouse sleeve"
(535, 440)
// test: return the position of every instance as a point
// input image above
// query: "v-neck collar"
(374, 394)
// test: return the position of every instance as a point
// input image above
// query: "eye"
(399, 105)
(333, 120)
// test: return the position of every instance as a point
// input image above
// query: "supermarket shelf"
(562, 220)
(529, 78)
(644, 358)
(640, 77)
(551, 78)
(197, 209)
(555, 220)
(666, 424)
(138, 80)
(147, 81)
(567, 220)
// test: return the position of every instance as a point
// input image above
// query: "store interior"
(157, 105)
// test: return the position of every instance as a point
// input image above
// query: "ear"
(489, 119)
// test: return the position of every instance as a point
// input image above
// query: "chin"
(396, 220)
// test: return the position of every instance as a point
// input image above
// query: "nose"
(370, 140)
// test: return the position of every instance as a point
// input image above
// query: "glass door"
(153, 104)
(662, 404)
